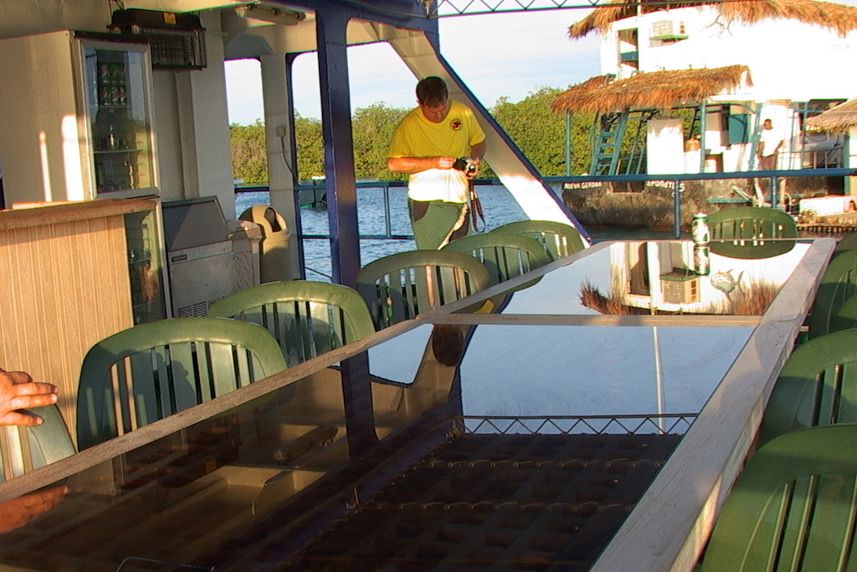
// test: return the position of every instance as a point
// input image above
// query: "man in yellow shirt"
(426, 145)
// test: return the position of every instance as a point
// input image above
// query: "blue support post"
(331, 28)
(338, 145)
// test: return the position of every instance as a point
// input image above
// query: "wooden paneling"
(65, 286)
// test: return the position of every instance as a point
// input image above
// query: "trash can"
(274, 245)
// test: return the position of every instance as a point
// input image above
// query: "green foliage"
(249, 156)
(310, 148)
(372, 128)
(538, 131)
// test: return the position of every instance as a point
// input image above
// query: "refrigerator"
(76, 120)
(116, 88)
(76, 125)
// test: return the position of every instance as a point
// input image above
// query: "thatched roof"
(650, 90)
(842, 19)
(836, 120)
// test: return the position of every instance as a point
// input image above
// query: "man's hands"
(18, 512)
(18, 391)
(445, 162)
(411, 165)
(474, 164)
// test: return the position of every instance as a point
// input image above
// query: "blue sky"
(497, 55)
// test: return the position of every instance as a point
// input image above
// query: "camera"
(465, 164)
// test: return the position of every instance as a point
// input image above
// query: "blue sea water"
(499, 206)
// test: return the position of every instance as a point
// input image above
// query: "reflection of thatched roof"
(836, 120)
(841, 18)
(650, 90)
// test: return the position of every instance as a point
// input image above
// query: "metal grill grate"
(651, 424)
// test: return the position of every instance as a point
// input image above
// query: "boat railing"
(313, 193)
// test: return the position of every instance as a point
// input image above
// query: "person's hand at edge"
(18, 392)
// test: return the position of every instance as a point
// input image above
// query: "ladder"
(754, 139)
(608, 132)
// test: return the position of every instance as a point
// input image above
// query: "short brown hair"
(432, 91)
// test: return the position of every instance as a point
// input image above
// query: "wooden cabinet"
(70, 278)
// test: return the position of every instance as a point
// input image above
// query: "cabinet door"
(145, 270)
(118, 111)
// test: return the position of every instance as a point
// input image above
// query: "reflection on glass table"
(513, 441)
(239, 488)
(664, 277)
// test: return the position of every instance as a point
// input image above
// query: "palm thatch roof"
(836, 120)
(650, 90)
(842, 19)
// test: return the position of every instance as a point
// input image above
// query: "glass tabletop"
(656, 277)
(460, 443)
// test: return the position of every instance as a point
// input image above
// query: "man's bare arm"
(411, 165)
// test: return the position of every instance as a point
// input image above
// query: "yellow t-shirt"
(416, 136)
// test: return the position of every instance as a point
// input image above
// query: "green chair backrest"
(402, 286)
(307, 318)
(746, 232)
(23, 449)
(504, 255)
(154, 370)
(846, 243)
(559, 239)
(817, 386)
(792, 508)
(845, 316)
(838, 284)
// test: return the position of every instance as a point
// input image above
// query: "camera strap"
(477, 214)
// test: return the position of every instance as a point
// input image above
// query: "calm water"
(499, 205)
(497, 202)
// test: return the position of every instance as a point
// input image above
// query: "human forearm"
(411, 165)
(478, 151)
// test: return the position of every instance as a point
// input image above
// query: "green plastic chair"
(402, 286)
(558, 239)
(838, 284)
(792, 508)
(846, 243)
(817, 386)
(747, 232)
(504, 255)
(23, 449)
(307, 318)
(154, 370)
(845, 316)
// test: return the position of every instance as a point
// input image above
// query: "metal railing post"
(388, 222)
(677, 190)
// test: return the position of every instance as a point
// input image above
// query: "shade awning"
(651, 90)
(838, 119)
(840, 18)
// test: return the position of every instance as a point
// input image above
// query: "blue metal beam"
(338, 145)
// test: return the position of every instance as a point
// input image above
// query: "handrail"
(676, 179)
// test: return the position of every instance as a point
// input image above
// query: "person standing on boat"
(770, 142)
(426, 145)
